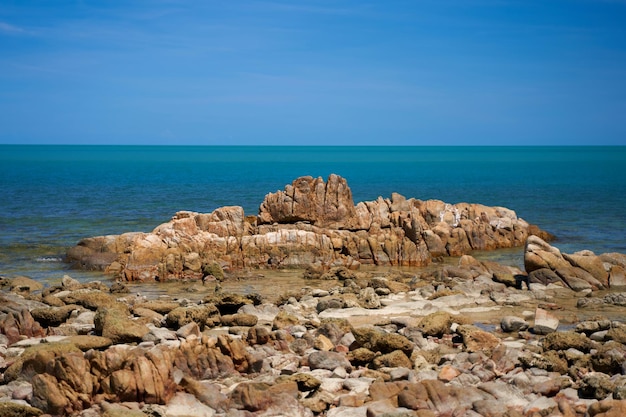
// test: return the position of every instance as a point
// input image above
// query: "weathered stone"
(436, 324)
(510, 324)
(608, 408)
(10, 409)
(545, 322)
(256, 396)
(328, 360)
(115, 324)
(91, 299)
(476, 340)
(16, 322)
(21, 284)
(240, 319)
(204, 315)
(567, 340)
(184, 405)
(53, 316)
(395, 359)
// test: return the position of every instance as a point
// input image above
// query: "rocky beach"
(437, 333)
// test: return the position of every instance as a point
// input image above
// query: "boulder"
(545, 264)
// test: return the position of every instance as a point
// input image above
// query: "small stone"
(189, 329)
(448, 373)
(328, 360)
(545, 322)
(510, 324)
(323, 343)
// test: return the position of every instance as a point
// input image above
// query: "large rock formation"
(584, 270)
(311, 222)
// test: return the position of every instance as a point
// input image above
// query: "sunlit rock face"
(310, 222)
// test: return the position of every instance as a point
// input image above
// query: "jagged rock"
(311, 200)
(17, 321)
(581, 271)
(311, 222)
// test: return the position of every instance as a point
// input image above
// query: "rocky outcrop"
(584, 270)
(311, 222)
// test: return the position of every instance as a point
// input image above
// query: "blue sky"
(344, 72)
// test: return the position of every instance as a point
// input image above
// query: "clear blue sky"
(346, 72)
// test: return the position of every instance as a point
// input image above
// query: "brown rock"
(539, 254)
(204, 315)
(257, 396)
(115, 324)
(395, 359)
(53, 316)
(206, 392)
(591, 263)
(18, 322)
(617, 277)
(567, 340)
(236, 350)
(310, 222)
(90, 299)
(258, 335)
(22, 284)
(10, 409)
(160, 306)
(476, 340)
(608, 408)
(247, 320)
(311, 200)
(436, 324)
(284, 320)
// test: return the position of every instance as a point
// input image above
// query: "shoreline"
(356, 343)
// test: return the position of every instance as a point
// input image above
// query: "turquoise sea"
(52, 196)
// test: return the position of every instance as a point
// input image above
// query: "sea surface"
(53, 196)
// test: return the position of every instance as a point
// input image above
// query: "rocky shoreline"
(467, 339)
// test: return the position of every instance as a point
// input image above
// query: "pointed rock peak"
(308, 199)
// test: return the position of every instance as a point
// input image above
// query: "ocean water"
(52, 196)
